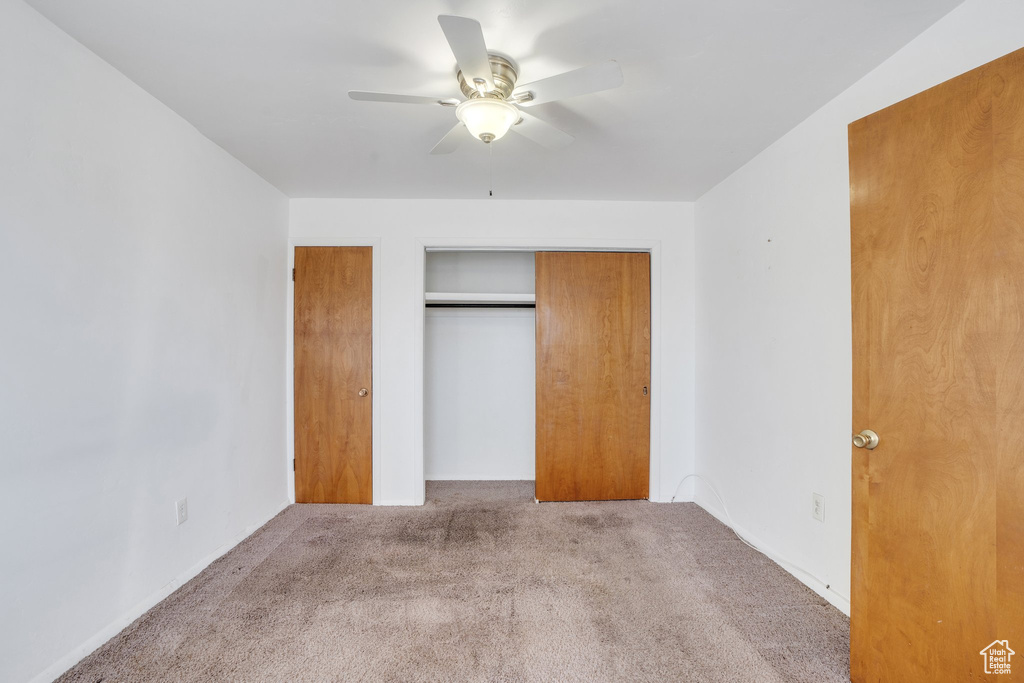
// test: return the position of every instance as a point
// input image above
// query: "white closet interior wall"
(479, 370)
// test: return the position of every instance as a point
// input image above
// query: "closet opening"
(479, 367)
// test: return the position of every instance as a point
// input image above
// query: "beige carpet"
(482, 584)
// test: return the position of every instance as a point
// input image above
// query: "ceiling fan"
(494, 102)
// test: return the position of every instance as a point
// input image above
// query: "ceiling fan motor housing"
(503, 74)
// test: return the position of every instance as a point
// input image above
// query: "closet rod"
(481, 305)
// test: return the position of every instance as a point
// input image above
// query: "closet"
(537, 366)
(478, 407)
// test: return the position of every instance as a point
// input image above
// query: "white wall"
(400, 230)
(144, 280)
(481, 272)
(773, 308)
(479, 394)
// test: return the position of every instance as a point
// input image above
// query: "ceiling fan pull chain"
(490, 170)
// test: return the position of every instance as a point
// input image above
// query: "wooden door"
(593, 375)
(937, 207)
(333, 333)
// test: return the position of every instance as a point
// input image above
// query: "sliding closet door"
(333, 325)
(593, 375)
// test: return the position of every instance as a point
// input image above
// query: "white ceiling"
(708, 84)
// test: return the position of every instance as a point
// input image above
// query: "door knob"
(866, 439)
(364, 392)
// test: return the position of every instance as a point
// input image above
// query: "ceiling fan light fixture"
(487, 118)
(488, 82)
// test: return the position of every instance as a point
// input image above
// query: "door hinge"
(293, 275)
(293, 464)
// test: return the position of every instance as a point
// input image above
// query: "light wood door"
(333, 336)
(937, 194)
(593, 375)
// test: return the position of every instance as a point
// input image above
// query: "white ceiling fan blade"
(541, 132)
(450, 142)
(364, 96)
(588, 79)
(466, 39)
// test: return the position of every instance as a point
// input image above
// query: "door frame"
(652, 247)
(375, 245)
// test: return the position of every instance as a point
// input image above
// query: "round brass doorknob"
(866, 439)
(364, 392)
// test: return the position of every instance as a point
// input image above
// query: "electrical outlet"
(181, 511)
(818, 509)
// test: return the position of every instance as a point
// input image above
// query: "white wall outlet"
(181, 511)
(818, 509)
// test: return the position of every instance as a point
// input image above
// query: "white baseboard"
(839, 601)
(113, 628)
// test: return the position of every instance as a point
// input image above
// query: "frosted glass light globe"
(487, 118)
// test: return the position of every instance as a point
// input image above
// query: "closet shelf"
(478, 298)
